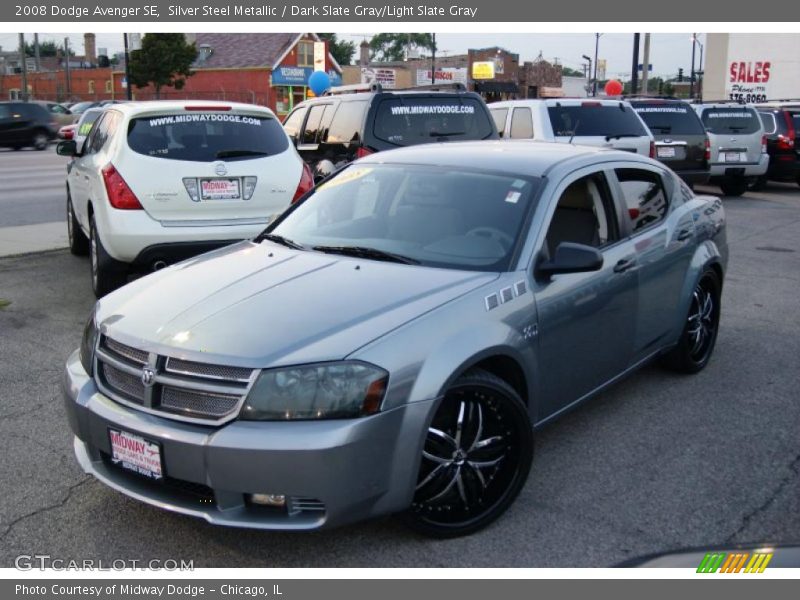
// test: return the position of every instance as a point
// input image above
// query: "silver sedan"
(394, 339)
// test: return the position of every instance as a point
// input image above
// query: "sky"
(668, 51)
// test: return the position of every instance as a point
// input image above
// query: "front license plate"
(220, 189)
(666, 152)
(733, 157)
(136, 454)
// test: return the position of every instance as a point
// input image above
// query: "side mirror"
(571, 258)
(67, 148)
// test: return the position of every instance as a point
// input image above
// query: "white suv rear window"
(206, 137)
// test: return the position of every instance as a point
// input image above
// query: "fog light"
(268, 499)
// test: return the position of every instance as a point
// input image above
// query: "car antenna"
(574, 131)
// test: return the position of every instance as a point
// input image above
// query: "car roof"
(154, 106)
(518, 157)
(368, 95)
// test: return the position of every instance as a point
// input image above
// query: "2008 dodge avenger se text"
(391, 341)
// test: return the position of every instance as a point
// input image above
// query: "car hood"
(262, 305)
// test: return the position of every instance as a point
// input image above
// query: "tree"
(394, 46)
(46, 48)
(570, 72)
(342, 50)
(165, 59)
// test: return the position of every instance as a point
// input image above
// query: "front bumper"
(332, 472)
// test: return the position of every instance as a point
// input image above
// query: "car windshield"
(731, 120)
(670, 119)
(435, 216)
(207, 136)
(407, 121)
(594, 119)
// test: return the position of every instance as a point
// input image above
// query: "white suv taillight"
(249, 187)
(119, 194)
(306, 183)
(190, 183)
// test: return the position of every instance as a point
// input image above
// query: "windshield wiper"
(662, 128)
(614, 136)
(369, 253)
(279, 239)
(443, 134)
(234, 153)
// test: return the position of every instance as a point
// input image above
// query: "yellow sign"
(483, 70)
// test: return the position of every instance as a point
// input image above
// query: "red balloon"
(613, 88)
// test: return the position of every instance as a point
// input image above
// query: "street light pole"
(594, 78)
(127, 69)
(691, 78)
(24, 65)
(433, 60)
(635, 66)
(588, 73)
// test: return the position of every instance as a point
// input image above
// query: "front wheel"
(107, 274)
(699, 335)
(476, 457)
(40, 140)
(733, 186)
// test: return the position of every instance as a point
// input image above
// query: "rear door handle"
(684, 234)
(624, 264)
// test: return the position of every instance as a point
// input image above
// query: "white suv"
(157, 182)
(585, 121)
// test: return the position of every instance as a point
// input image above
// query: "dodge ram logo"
(148, 376)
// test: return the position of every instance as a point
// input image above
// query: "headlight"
(340, 390)
(88, 343)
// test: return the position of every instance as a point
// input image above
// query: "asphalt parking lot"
(660, 462)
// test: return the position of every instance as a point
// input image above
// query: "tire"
(733, 186)
(759, 184)
(40, 140)
(696, 344)
(78, 242)
(468, 478)
(107, 274)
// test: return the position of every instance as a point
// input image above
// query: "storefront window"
(282, 101)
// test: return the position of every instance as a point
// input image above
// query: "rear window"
(205, 137)
(731, 120)
(673, 119)
(408, 121)
(769, 122)
(590, 119)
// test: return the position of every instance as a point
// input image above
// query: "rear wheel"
(733, 186)
(475, 460)
(699, 335)
(107, 274)
(40, 140)
(78, 242)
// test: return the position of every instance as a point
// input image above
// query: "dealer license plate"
(136, 454)
(220, 189)
(733, 157)
(666, 152)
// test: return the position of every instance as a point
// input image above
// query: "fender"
(706, 255)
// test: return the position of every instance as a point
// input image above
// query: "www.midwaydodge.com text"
(280, 11)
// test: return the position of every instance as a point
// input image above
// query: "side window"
(311, 131)
(4, 112)
(294, 122)
(521, 123)
(98, 135)
(768, 120)
(347, 122)
(499, 115)
(584, 215)
(644, 195)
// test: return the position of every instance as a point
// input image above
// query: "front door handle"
(624, 264)
(684, 234)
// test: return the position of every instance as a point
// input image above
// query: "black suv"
(681, 139)
(352, 121)
(781, 124)
(26, 124)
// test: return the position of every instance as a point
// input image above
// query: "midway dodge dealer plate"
(135, 453)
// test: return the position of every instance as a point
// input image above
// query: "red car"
(67, 132)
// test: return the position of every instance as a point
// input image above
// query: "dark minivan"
(681, 139)
(781, 123)
(24, 124)
(353, 121)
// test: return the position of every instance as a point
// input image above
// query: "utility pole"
(24, 64)
(645, 63)
(68, 83)
(691, 77)
(127, 69)
(594, 78)
(36, 57)
(635, 68)
(433, 60)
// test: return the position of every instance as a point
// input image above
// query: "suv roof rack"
(435, 87)
(651, 97)
(354, 89)
(378, 88)
(720, 101)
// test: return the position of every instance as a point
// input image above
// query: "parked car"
(681, 139)
(79, 107)
(354, 121)
(781, 121)
(61, 114)
(26, 124)
(67, 132)
(738, 145)
(588, 122)
(156, 182)
(392, 340)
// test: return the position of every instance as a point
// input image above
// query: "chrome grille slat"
(208, 371)
(197, 403)
(124, 383)
(132, 354)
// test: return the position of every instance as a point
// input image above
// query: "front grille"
(298, 504)
(192, 402)
(124, 383)
(178, 388)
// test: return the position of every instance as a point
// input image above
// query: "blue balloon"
(319, 82)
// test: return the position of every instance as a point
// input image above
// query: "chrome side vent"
(492, 301)
(520, 288)
(506, 295)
